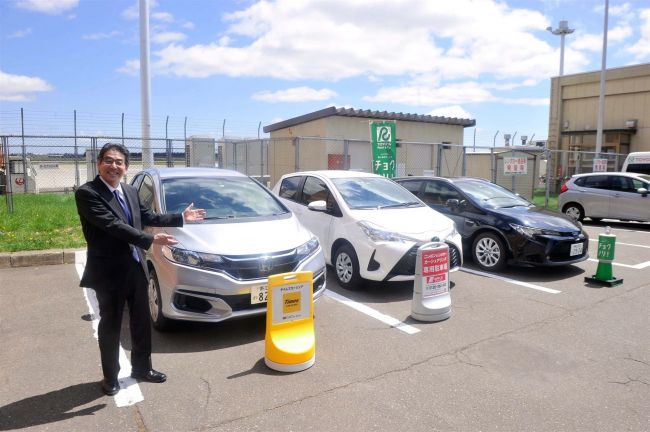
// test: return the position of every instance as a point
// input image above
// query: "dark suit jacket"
(109, 236)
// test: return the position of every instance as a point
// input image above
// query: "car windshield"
(490, 195)
(374, 192)
(221, 197)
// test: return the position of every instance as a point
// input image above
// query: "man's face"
(112, 167)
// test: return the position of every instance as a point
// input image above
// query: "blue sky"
(258, 62)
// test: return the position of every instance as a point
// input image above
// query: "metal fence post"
(9, 198)
(24, 151)
(493, 161)
(346, 153)
(76, 153)
(464, 167)
(514, 187)
(549, 162)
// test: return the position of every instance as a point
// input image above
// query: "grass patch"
(40, 221)
(539, 198)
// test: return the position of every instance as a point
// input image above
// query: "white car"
(369, 226)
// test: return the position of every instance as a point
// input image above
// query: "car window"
(412, 186)
(622, 184)
(289, 187)
(221, 197)
(437, 193)
(146, 192)
(374, 192)
(596, 182)
(313, 190)
(488, 194)
(639, 184)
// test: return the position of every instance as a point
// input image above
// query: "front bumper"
(195, 294)
(394, 261)
(547, 250)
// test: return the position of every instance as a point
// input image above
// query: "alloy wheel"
(488, 252)
(344, 267)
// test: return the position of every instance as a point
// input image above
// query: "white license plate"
(259, 294)
(576, 249)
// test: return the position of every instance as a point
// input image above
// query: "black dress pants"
(111, 307)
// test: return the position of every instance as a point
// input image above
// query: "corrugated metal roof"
(379, 115)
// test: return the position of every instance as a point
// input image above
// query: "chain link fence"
(37, 164)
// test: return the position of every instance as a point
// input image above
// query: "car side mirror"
(643, 192)
(319, 205)
(452, 203)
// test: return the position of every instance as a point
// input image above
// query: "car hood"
(410, 221)
(538, 217)
(242, 238)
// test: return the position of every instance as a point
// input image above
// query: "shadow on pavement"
(51, 407)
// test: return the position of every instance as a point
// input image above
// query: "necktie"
(125, 208)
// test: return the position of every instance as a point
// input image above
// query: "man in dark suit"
(112, 218)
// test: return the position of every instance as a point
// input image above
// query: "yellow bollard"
(290, 343)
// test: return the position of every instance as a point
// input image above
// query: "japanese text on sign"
(383, 148)
(600, 165)
(515, 166)
(435, 272)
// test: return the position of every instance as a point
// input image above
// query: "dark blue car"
(499, 227)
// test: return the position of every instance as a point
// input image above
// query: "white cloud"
(297, 40)
(20, 33)
(18, 88)
(100, 36)
(296, 94)
(52, 7)
(641, 49)
(166, 37)
(131, 67)
(451, 111)
(162, 17)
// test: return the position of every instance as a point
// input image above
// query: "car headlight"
(191, 258)
(308, 248)
(532, 232)
(377, 234)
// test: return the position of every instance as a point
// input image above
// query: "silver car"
(219, 269)
(611, 195)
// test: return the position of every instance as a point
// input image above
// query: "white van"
(637, 162)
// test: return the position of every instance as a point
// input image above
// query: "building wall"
(627, 97)
(316, 153)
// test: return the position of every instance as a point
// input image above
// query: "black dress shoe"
(109, 387)
(150, 375)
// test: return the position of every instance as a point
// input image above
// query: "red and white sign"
(600, 165)
(435, 272)
(515, 166)
(20, 181)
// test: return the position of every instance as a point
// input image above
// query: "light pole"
(562, 31)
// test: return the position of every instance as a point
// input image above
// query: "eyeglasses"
(111, 161)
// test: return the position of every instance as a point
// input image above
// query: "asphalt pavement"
(529, 349)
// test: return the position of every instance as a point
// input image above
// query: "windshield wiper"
(405, 204)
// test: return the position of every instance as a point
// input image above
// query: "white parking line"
(632, 266)
(393, 322)
(512, 281)
(129, 393)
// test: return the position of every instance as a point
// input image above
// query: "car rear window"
(596, 182)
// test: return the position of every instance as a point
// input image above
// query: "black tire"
(158, 320)
(489, 252)
(574, 211)
(346, 268)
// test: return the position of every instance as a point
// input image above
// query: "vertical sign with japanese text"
(435, 272)
(384, 155)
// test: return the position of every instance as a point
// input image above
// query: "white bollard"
(431, 299)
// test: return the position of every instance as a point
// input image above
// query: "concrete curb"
(37, 258)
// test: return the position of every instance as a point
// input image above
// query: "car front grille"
(185, 300)
(406, 265)
(561, 251)
(248, 267)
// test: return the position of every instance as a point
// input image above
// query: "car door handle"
(470, 223)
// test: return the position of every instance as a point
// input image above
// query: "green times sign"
(383, 148)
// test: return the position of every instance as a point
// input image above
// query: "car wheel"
(155, 303)
(489, 252)
(574, 211)
(346, 268)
